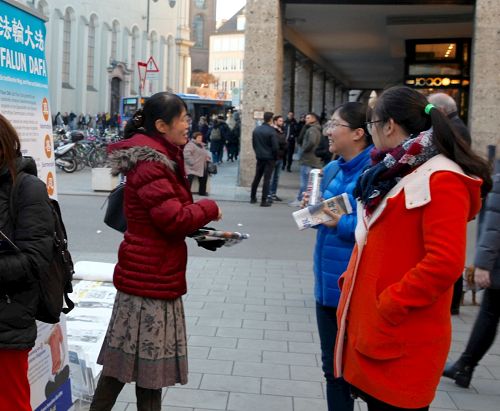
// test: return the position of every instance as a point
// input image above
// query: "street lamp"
(171, 4)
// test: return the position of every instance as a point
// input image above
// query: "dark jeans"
(377, 405)
(108, 389)
(457, 295)
(288, 158)
(263, 168)
(202, 182)
(338, 393)
(276, 177)
(485, 329)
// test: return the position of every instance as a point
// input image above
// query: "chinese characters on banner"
(24, 100)
(24, 86)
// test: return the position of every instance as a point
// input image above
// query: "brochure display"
(24, 101)
(87, 325)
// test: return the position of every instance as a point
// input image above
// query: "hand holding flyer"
(314, 215)
(213, 239)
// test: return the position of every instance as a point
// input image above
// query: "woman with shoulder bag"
(394, 321)
(146, 337)
(25, 250)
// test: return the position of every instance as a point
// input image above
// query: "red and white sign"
(152, 69)
(142, 68)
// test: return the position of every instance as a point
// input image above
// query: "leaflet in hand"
(230, 237)
(314, 215)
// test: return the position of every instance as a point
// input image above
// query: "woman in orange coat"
(414, 204)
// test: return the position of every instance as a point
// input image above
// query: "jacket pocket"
(379, 340)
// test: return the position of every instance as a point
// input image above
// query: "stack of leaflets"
(314, 215)
(230, 238)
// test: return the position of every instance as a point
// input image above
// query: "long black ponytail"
(164, 105)
(407, 107)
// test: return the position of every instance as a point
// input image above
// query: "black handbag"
(115, 216)
(211, 168)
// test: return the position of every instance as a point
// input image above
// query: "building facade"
(319, 51)
(202, 19)
(93, 48)
(227, 53)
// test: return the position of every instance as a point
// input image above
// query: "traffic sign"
(152, 69)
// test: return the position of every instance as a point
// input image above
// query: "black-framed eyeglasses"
(333, 124)
(369, 125)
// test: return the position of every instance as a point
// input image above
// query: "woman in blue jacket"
(349, 140)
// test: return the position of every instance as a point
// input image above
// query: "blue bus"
(197, 107)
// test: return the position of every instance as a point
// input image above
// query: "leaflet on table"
(314, 215)
(86, 327)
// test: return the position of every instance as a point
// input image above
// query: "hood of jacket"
(26, 164)
(125, 155)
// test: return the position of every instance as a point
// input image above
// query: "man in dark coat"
(448, 106)
(486, 275)
(282, 149)
(291, 131)
(265, 145)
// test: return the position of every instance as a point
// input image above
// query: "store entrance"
(440, 65)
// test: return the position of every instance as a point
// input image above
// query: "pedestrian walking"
(416, 198)
(146, 337)
(486, 275)
(309, 142)
(282, 147)
(203, 128)
(233, 142)
(291, 132)
(265, 146)
(350, 140)
(218, 135)
(26, 245)
(196, 157)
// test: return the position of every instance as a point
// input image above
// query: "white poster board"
(24, 100)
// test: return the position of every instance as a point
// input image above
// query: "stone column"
(104, 86)
(56, 58)
(288, 79)
(263, 74)
(162, 63)
(318, 84)
(302, 87)
(338, 94)
(485, 91)
(329, 106)
(81, 68)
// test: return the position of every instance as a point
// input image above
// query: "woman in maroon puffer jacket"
(146, 338)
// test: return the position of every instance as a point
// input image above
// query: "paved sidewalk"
(253, 341)
(253, 344)
(223, 186)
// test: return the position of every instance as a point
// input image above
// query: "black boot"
(106, 393)
(462, 374)
(147, 399)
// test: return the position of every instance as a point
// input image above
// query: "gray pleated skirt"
(146, 342)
